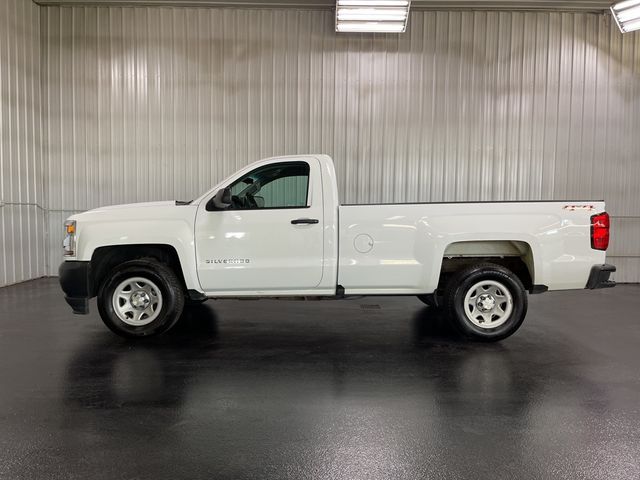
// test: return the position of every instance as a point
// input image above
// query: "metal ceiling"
(557, 5)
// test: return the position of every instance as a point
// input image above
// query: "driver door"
(270, 239)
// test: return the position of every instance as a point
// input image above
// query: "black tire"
(167, 282)
(464, 280)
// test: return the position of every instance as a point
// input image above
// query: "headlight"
(69, 243)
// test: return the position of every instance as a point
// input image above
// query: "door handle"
(308, 221)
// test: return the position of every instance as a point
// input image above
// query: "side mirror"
(221, 200)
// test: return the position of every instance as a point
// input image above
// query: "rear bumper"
(75, 281)
(599, 277)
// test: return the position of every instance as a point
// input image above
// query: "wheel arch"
(515, 255)
(107, 257)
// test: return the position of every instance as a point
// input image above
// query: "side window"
(279, 185)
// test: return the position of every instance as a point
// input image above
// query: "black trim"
(538, 289)
(339, 291)
(599, 277)
(75, 280)
(433, 298)
(259, 209)
(80, 306)
(305, 221)
(196, 296)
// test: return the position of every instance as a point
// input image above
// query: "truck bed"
(404, 244)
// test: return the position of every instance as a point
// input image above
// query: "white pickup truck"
(276, 229)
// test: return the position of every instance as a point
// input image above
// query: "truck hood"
(165, 203)
(136, 211)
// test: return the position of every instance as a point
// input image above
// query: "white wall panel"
(22, 217)
(159, 103)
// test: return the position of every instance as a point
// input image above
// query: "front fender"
(177, 233)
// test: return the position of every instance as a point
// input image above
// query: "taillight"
(600, 231)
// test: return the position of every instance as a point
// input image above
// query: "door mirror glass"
(221, 200)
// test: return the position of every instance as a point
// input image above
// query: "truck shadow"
(198, 322)
(430, 324)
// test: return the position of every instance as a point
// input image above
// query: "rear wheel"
(141, 298)
(486, 302)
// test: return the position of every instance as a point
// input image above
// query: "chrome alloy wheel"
(137, 301)
(488, 304)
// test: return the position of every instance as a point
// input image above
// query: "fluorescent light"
(372, 3)
(372, 15)
(627, 15)
(388, 27)
(352, 17)
(373, 11)
(631, 26)
(626, 4)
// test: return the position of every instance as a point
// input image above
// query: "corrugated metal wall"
(159, 103)
(22, 217)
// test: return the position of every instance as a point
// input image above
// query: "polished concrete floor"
(369, 388)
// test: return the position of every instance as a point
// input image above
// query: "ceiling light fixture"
(388, 16)
(627, 15)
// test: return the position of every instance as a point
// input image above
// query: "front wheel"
(486, 302)
(140, 298)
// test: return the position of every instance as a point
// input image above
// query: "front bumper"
(75, 280)
(599, 277)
